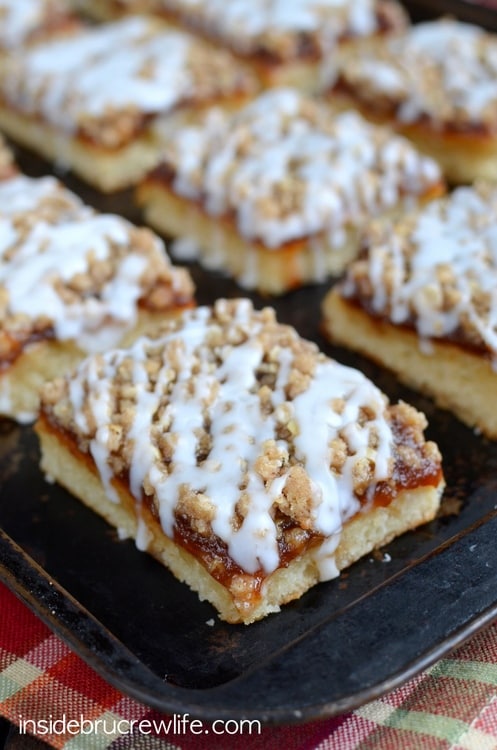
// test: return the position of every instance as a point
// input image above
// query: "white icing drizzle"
(244, 23)
(129, 65)
(439, 268)
(20, 18)
(219, 383)
(100, 403)
(47, 238)
(334, 172)
(23, 194)
(143, 534)
(444, 69)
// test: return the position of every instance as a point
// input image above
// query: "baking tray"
(481, 12)
(345, 642)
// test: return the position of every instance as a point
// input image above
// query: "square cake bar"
(285, 42)
(422, 301)
(249, 463)
(275, 193)
(436, 84)
(72, 281)
(89, 102)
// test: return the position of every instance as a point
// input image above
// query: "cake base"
(64, 463)
(20, 383)
(107, 170)
(218, 246)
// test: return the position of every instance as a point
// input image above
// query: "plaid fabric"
(47, 690)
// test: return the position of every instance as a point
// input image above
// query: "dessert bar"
(422, 301)
(436, 84)
(89, 102)
(71, 281)
(249, 463)
(286, 42)
(275, 193)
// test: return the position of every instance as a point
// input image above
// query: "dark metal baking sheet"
(344, 642)
(481, 12)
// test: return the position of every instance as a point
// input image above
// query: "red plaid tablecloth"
(44, 686)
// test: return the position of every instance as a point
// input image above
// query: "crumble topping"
(107, 80)
(286, 168)
(287, 30)
(230, 422)
(436, 269)
(444, 70)
(73, 272)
